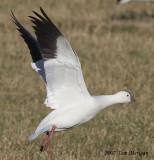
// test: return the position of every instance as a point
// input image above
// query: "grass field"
(115, 44)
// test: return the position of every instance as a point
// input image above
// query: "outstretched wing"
(33, 45)
(65, 83)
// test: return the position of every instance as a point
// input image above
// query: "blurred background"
(115, 44)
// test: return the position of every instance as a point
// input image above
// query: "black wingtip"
(12, 14)
(13, 17)
(44, 14)
(46, 33)
(41, 9)
(29, 39)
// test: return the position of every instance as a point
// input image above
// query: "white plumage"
(59, 66)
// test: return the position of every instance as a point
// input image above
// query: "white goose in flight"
(59, 66)
(125, 1)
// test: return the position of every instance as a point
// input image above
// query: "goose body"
(58, 65)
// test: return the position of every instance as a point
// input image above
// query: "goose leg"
(47, 139)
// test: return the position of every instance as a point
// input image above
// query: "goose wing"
(65, 83)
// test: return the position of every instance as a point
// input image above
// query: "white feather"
(63, 76)
(67, 92)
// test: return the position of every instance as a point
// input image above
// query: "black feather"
(31, 42)
(47, 34)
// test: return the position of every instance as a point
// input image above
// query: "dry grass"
(116, 47)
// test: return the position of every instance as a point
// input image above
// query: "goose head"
(124, 97)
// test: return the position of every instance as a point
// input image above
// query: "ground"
(115, 44)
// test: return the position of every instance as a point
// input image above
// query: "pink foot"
(47, 139)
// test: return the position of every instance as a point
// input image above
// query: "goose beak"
(133, 99)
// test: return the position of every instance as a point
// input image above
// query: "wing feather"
(33, 45)
(31, 42)
(65, 83)
(46, 33)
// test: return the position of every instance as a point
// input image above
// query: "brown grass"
(115, 44)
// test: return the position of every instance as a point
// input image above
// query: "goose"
(58, 65)
(125, 1)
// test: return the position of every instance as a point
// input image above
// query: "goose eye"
(127, 95)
